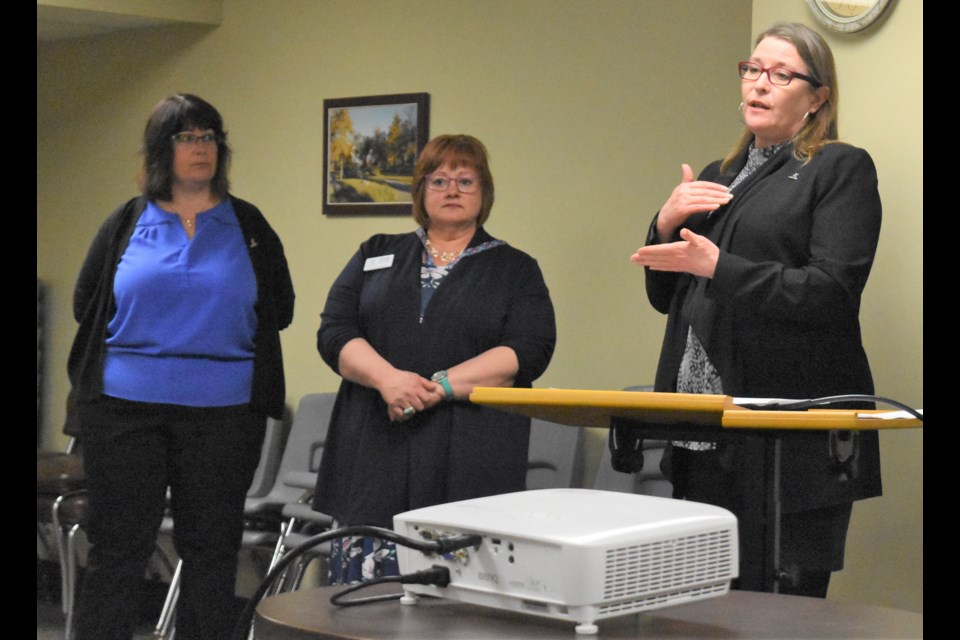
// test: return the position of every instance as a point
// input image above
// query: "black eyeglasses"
(185, 137)
(780, 76)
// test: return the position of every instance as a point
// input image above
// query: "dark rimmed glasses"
(465, 184)
(780, 76)
(185, 137)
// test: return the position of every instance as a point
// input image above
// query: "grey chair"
(556, 455)
(61, 513)
(300, 520)
(555, 460)
(60, 490)
(648, 481)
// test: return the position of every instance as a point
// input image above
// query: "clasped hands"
(693, 253)
(406, 390)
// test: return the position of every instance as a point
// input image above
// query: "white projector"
(576, 554)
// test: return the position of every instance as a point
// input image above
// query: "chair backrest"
(274, 442)
(556, 455)
(649, 481)
(304, 444)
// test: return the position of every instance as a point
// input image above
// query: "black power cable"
(436, 575)
(441, 545)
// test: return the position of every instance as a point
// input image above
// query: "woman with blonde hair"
(760, 264)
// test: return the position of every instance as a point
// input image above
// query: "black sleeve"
(530, 328)
(88, 281)
(281, 284)
(340, 320)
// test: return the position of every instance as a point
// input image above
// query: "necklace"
(442, 256)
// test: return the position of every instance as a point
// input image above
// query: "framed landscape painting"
(371, 144)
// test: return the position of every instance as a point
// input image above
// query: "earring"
(740, 108)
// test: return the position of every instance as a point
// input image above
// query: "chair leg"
(70, 579)
(62, 552)
(279, 550)
(277, 585)
(301, 570)
(285, 577)
(165, 628)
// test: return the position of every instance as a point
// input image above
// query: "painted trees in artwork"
(341, 142)
(401, 145)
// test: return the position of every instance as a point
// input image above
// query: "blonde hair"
(821, 127)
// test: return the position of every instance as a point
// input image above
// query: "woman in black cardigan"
(760, 264)
(413, 323)
(174, 368)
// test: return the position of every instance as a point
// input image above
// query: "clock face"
(847, 17)
(844, 10)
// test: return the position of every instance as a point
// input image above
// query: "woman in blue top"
(175, 367)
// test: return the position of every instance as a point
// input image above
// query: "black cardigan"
(373, 469)
(94, 306)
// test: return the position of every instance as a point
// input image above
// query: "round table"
(308, 614)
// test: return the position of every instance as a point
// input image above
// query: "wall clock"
(848, 17)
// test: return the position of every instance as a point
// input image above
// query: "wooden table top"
(309, 615)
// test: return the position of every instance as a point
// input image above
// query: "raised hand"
(689, 197)
(692, 254)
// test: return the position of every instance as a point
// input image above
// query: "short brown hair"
(456, 150)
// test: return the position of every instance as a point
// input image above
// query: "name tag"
(380, 262)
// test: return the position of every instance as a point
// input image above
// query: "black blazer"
(780, 318)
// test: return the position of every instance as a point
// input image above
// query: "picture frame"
(370, 149)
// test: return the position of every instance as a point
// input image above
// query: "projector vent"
(661, 600)
(666, 566)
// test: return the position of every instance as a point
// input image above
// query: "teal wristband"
(440, 377)
(447, 389)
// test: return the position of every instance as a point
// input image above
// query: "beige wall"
(588, 109)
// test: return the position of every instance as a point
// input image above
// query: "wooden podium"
(708, 418)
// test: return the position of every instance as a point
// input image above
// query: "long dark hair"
(172, 115)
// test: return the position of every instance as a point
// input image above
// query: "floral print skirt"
(356, 559)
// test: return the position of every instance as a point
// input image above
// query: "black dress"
(372, 468)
